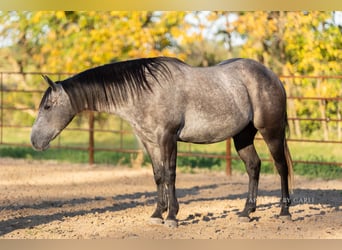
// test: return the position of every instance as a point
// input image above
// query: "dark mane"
(45, 97)
(113, 84)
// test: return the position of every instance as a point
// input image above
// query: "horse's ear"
(50, 82)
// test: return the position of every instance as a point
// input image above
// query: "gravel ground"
(49, 200)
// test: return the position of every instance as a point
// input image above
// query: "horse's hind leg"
(275, 139)
(244, 145)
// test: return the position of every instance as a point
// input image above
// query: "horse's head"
(55, 113)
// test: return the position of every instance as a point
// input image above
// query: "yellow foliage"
(291, 42)
(60, 14)
(36, 17)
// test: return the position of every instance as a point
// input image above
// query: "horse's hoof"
(285, 217)
(171, 223)
(156, 221)
(244, 219)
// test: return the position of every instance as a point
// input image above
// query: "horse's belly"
(211, 127)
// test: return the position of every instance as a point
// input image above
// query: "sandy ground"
(51, 201)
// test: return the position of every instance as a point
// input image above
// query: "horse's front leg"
(168, 147)
(157, 216)
(163, 157)
(159, 178)
(170, 188)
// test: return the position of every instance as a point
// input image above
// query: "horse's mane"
(114, 83)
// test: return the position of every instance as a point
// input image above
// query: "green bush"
(199, 162)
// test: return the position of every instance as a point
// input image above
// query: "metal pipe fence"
(10, 87)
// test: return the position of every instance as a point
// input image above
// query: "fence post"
(1, 108)
(228, 157)
(91, 138)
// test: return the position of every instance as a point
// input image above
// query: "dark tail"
(288, 157)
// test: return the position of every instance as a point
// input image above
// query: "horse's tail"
(288, 157)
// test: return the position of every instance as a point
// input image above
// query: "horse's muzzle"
(38, 142)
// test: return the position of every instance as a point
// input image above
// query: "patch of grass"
(185, 164)
(64, 155)
(75, 156)
(326, 172)
(199, 162)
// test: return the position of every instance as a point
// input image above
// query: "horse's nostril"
(40, 147)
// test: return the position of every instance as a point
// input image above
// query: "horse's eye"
(47, 107)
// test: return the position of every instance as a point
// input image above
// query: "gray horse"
(165, 101)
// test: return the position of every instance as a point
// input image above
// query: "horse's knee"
(170, 176)
(159, 177)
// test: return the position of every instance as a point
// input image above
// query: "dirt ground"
(51, 200)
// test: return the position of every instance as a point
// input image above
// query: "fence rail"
(7, 87)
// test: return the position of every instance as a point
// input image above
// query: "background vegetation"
(290, 43)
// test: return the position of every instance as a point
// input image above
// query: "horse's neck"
(100, 103)
(95, 103)
(98, 98)
(84, 98)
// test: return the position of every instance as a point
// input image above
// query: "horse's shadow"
(186, 196)
(121, 202)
